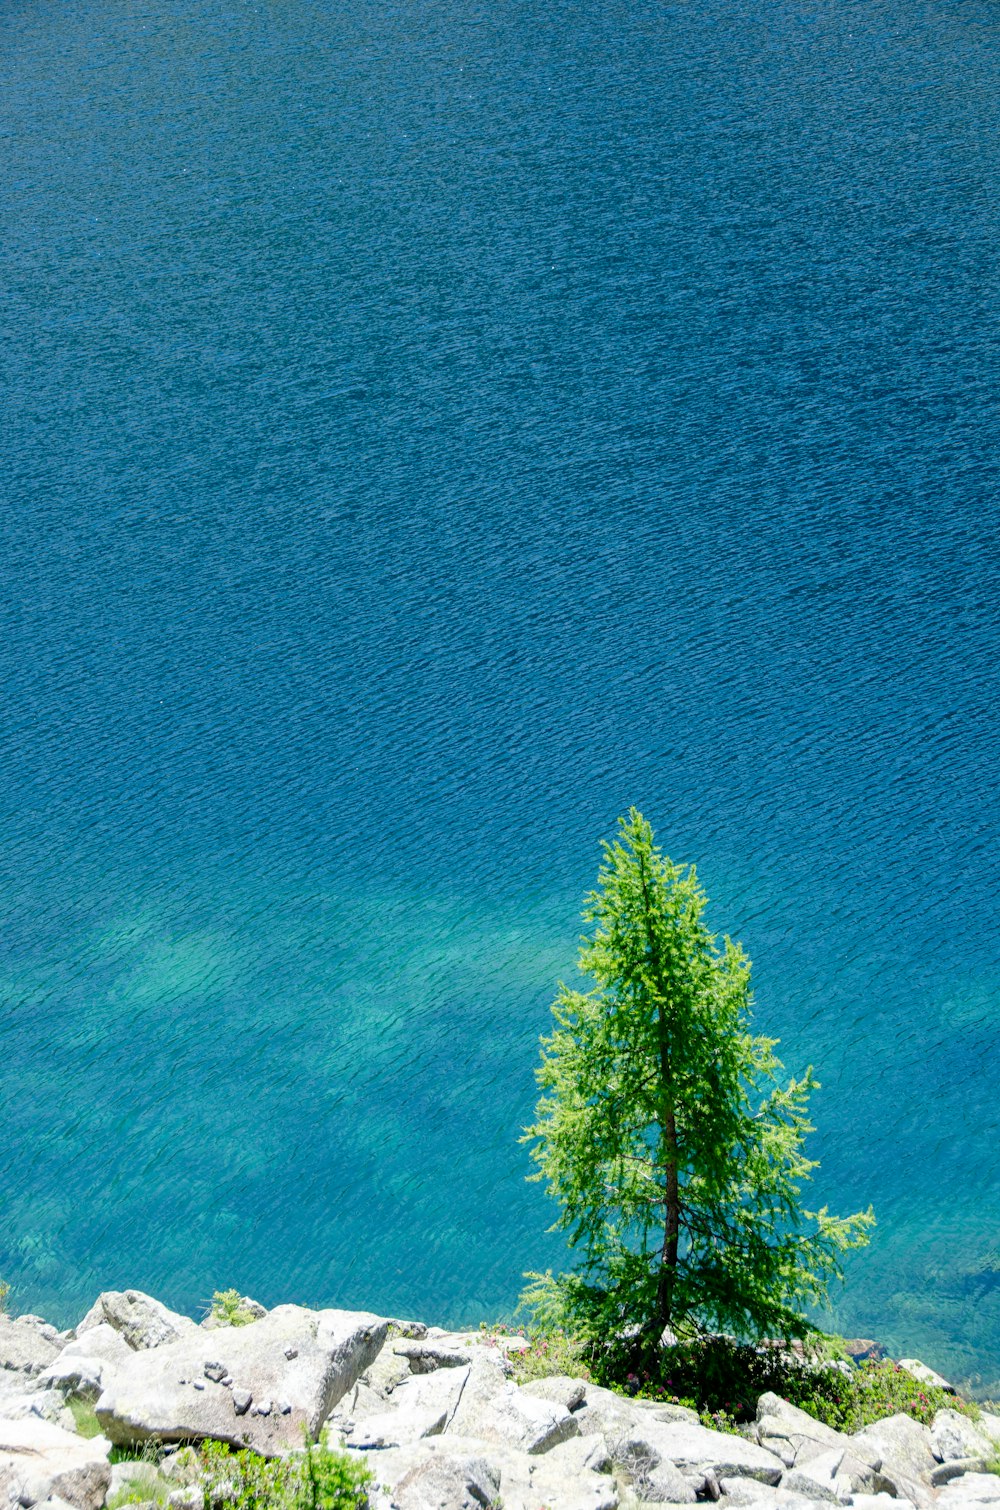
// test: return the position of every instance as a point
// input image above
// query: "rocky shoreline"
(434, 1414)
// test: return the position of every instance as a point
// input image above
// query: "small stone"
(199, 1383)
(242, 1400)
(264, 1408)
(291, 1352)
(215, 1371)
(227, 1382)
(284, 1407)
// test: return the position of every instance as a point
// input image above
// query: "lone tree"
(662, 1131)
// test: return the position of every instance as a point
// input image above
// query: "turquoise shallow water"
(428, 431)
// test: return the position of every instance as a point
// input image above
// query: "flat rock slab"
(695, 1448)
(39, 1461)
(973, 1489)
(764, 1497)
(263, 1386)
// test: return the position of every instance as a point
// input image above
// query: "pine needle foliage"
(674, 1151)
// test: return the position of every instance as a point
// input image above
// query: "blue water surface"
(430, 428)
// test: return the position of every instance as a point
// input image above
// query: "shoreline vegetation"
(297, 1409)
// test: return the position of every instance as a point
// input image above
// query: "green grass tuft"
(85, 1422)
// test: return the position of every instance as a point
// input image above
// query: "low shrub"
(723, 1379)
(720, 1378)
(873, 1391)
(315, 1479)
(548, 1353)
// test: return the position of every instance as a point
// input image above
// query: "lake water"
(428, 430)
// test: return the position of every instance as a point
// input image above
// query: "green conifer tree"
(674, 1152)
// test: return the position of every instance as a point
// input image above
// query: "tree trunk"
(668, 1132)
(671, 1195)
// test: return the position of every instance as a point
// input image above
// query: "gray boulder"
(696, 1449)
(954, 1436)
(33, 1403)
(609, 1415)
(925, 1375)
(664, 1412)
(46, 1328)
(493, 1409)
(385, 1374)
(76, 1377)
(971, 1490)
(422, 1406)
(820, 1478)
(576, 1455)
(446, 1482)
(39, 1461)
(564, 1479)
(24, 1349)
(903, 1445)
(955, 1468)
(791, 1434)
(261, 1386)
(141, 1320)
(881, 1501)
(765, 1497)
(561, 1479)
(650, 1470)
(101, 1342)
(522, 1421)
(85, 1365)
(399, 1327)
